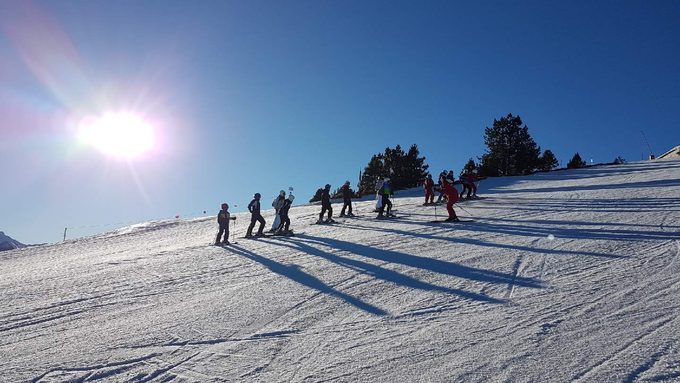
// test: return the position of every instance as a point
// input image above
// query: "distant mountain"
(8, 243)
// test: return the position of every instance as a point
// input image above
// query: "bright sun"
(124, 135)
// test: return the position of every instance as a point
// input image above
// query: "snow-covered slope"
(564, 276)
(8, 243)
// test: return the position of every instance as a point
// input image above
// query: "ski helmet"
(225, 206)
(328, 186)
(282, 192)
(257, 196)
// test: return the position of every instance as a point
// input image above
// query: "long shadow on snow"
(636, 185)
(524, 228)
(433, 265)
(477, 242)
(631, 205)
(302, 242)
(294, 273)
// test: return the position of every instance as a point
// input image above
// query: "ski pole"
(465, 210)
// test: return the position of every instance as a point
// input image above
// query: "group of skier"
(281, 226)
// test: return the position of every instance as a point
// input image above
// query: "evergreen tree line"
(510, 151)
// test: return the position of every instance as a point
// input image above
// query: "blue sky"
(257, 96)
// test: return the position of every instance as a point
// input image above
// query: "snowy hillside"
(563, 276)
(8, 243)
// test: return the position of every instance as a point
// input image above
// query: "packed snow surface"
(561, 276)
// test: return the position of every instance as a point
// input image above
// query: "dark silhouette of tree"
(469, 166)
(548, 161)
(510, 148)
(576, 162)
(405, 169)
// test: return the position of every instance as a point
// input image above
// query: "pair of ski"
(458, 221)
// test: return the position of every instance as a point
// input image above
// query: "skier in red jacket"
(429, 190)
(451, 198)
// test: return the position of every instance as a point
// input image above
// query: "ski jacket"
(429, 184)
(223, 218)
(347, 193)
(285, 207)
(325, 197)
(386, 190)
(254, 207)
(278, 203)
(450, 191)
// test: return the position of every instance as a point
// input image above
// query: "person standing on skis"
(442, 176)
(347, 194)
(386, 193)
(451, 198)
(223, 218)
(378, 184)
(428, 185)
(284, 226)
(277, 204)
(326, 205)
(254, 208)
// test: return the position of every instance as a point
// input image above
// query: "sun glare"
(123, 135)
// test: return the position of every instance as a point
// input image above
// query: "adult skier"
(347, 194)
(284, 226)
(468, 180)
(451, 198)
(223, 218)
(386, 193)
(277, 204)
(254, 208)
(428, 185)
(326, 205)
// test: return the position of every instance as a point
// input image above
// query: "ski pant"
(441, 194)
(325, 208)
(285, 223)
(253, 219)
(223, 230)
(472, 189)
(465, 187)
(386, 202)
(348, 204)
(277, 222)
(449, 208)
(429, 195)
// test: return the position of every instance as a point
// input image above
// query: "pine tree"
(317, 196)
(371, 173)
(576, 162)
(405, 169)
(511, 150)
(548, 161)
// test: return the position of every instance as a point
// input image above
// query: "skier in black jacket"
(284, 226)
(326, 205)
(254, 208)
(347, 194)
(223, 218)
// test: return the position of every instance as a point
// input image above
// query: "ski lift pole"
(65, 233)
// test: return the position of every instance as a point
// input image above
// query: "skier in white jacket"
(277, 204)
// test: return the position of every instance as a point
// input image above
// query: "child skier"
(326, 205)
(347, 194)
(277, 204)
(428, 185)
(451, 197)
(223, 218)
(386, 193)
(254, 208)
(284, 226)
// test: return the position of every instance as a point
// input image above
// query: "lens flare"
(123, 135)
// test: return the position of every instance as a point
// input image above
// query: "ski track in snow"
(562, 276)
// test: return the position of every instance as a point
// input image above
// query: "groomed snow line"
(569, 276)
